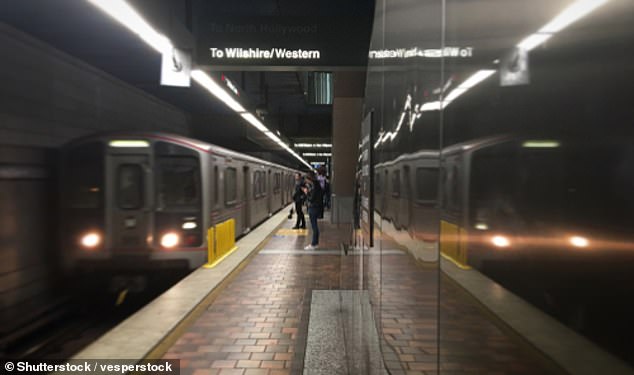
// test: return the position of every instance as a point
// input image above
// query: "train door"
(269, 195)
(246, 197)
(129, 214)
(407, 199)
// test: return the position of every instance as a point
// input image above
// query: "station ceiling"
(79, 29)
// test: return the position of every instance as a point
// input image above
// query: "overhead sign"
(273, 41)
(176, 67)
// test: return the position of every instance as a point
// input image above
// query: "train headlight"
(500, 241)
(90, 240)
(578, 241)
(170, 240)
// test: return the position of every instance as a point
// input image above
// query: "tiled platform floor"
(258, 323)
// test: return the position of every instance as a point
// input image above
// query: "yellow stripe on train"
(453, 244)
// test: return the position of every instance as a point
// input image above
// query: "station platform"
(275, 313)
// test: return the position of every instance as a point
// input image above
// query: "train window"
(426, 185)
(129, 186)
(396, 183)
(178, 181)
(377, 183)
(257, 176)
(86, 170)
(262, 183)
(452, 188)
(231, 187)
(277, 183)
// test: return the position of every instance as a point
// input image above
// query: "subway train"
(145, 200)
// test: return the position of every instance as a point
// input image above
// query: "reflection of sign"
(176, 67)
(406, 53)
(514, 68)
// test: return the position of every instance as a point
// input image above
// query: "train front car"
(132, 202)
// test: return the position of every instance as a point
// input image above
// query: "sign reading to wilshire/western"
(228, 53)
(278, 41)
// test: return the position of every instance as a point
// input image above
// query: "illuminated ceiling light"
(129, 143)
(128, 17)
(541, 144)
(91, 240)
(533, 41)
(313, 145)
(578, 241)
(481, 226)
(317, 154)
(572, 13)
(254, 121)
(216, 90)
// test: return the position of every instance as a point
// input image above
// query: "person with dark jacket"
(299, 197)
(315, 199)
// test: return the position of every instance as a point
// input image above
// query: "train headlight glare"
(578, 241)
(500, 241)
(170, 240)
(90, 240)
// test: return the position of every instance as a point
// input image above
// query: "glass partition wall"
(501, 174)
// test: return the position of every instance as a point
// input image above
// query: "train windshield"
(86, 170)
(178, 182)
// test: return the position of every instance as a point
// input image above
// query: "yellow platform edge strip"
(458, 264)
(215, 263)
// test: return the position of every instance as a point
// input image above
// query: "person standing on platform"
(299, 197)
(315, 199)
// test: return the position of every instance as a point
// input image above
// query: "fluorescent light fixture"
(533, 41)
(313, 145)
(128, 17)
(317, 154)
(129, 143)
(254, 121)
(125, 14)
(430, 106)
(272, 136)
(216, 90)
(481, 226)
(572, 13)
(540, 144)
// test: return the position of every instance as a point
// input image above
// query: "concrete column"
(346, 125)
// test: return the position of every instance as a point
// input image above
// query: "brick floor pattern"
(258, 323)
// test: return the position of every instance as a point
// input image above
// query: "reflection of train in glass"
(406, 192)
(549, 219)
(146, 200)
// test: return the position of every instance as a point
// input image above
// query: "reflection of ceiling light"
(317, 154)
(565, 18)
(540, 144)
(571, 14)
(532, 41)
(254, 121)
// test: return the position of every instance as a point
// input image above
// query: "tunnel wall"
(46, 99)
